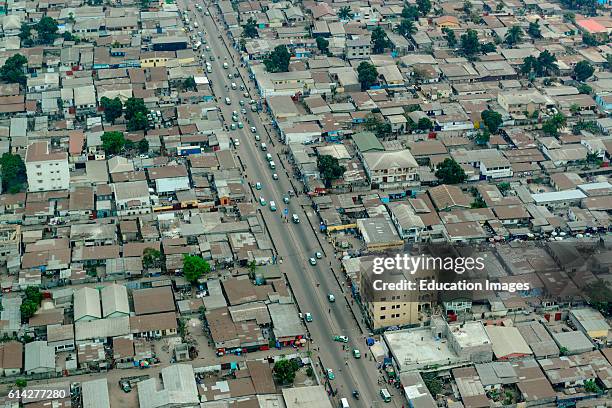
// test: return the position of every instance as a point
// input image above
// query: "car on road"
(240, 125)
(258, 186)
(356, 353)
(385, 394)
(243, 111)
(236, 142)
(341, 339)
(262, 201)
(207, 13)
(257, 138)
(253, 129)
(274, 176)
(296, 219)
(233, 126)
(207, 48)
(272, 206)
(246, 94)
(356, 394)
(330, 374)
(228, 101)
(235, 118)
(318, 255)
(286, 199)
(228, 75)
(330, 297)
(307, 317)
(312, 261)
(241, 102)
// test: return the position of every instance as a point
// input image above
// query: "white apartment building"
(46, 170)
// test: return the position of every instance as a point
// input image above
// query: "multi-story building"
(46, 170)
(358, 48)
(391, 169)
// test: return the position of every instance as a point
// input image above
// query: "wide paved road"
(295, 243)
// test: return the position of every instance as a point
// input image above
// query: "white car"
(236, 142)
(319, 255)
(312, 261)
(275, 177)
(253, 129)
(257, 137)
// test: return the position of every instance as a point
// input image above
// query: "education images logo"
(409, 265)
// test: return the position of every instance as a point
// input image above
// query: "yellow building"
(156, 58)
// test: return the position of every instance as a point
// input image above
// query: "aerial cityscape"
(305, 204)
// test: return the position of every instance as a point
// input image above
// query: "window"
(383, 308)
(382, 317)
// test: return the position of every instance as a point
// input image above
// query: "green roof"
(367, 142)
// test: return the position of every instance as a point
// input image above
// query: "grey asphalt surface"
(295, 243)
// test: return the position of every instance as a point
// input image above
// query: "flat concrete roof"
(415, 348)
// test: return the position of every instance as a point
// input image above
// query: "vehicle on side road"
(331, 298)
(308, 317)
(341, 339)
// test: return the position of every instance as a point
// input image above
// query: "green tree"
(563, 351)
(28, 308)
(591, 386)
(252, 267)
(424, 6)
(143, 146)
(13, 70)
(138, 122)
(345, 13)
(467, 7)
(133, 106)
(378, 127)
(470, 44)
(503, 187)
(47, 30)
(194, 267)
(410, 12)
(499, 7)
(584, 89)
(450, 172)
(433, 384)
(478, 203)
(113, 108)
(151, 258)
(552, 125)
(250, 28)
(13, 173)
(113, 142)
(25, 34)
(483, 137)
(21, 383)
(190, 83)
(590, 40)
(323, 45)
(284, 370)
(379, 40)
(491, 119)
(534, 29)
(486, 48)
(278, 60)
(330, 169)
(598, 294)
(367, 74)
(424, 124)
(514, 35)
(583, 71)
(406, 28)
(547, 63)
(450, 37)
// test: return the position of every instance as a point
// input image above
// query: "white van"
(228, 101)
(233, 85)
(344, 403)
(264, 147)
(268, 157)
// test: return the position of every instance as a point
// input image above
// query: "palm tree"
(345, 13)
(514, 35)
(252, 266)
(406, 27)
(547, 63)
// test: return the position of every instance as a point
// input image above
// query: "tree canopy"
(450, 172)
(323, 45)
(250, 28)
(113, 108)
(367, 75)
(30, 304)
(194, 267)
(534, 29)
(552, 125)
(47, 30)
(13, 70)
(278, 59)
(406, 27)
(451, 39)
(544, 64)
(410, 12)
(514, 35)
(113, 142)
(491, 119)
(470, 44)
(583, 71)
(284, 370)
(378, 127)
(13, 173)
(379, 40)
(136, 114)
(424, 124)
(345, 13)
(330, 169)
(424, 6)
(151, 258)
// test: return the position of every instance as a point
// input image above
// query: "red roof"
(591, 26)
(77, 140)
